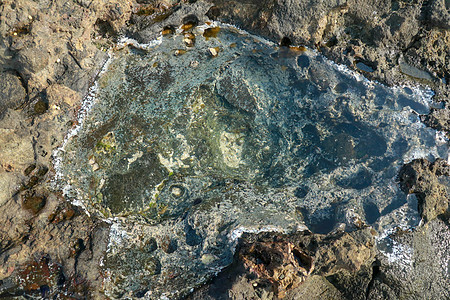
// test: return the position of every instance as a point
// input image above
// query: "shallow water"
(185, 151)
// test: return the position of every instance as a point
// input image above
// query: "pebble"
(214, 51)
(179, 52)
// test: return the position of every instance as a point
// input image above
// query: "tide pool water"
(195, 138)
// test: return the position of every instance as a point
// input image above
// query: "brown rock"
(420, 177)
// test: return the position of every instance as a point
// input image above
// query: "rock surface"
(51, 51)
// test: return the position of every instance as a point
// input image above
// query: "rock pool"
(198, 137)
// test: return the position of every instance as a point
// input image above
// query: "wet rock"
(420, 177)
(270, 265)
(13, 93)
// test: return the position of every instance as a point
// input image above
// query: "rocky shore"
(52, 51)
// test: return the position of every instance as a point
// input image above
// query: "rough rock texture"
(421, 178)
(50, 52)
(416, 266)
(378, 34)
(49, 55)
(315, 267)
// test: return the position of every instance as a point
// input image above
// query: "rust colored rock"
(279, 261)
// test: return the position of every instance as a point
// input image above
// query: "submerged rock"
(192, 157)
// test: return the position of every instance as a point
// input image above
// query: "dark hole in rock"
(303, 259)
(197, 201)
(45, 290)
(40, 107)
(104, 28)
(400, 146)
(301, 192)
(285, 42)
(150, 245)
(168, 245)
(140, 293)
(192, 238)
(29, 169)
(168, 29)
(372, 212)
(333, 41)
(321, 221)
(370, 144)
(380, 164)
(396, 203)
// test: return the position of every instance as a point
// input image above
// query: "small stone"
(40, 107)
(169, 29)
(33, 204)
(194, 64)
(95, 167)
(188, 42)
(207, 259)
(211, 32)
(177, 191)
(214, 51)
(179, 52)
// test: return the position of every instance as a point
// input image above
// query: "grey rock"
(32, 60)
(13, 93)
(440, 13)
